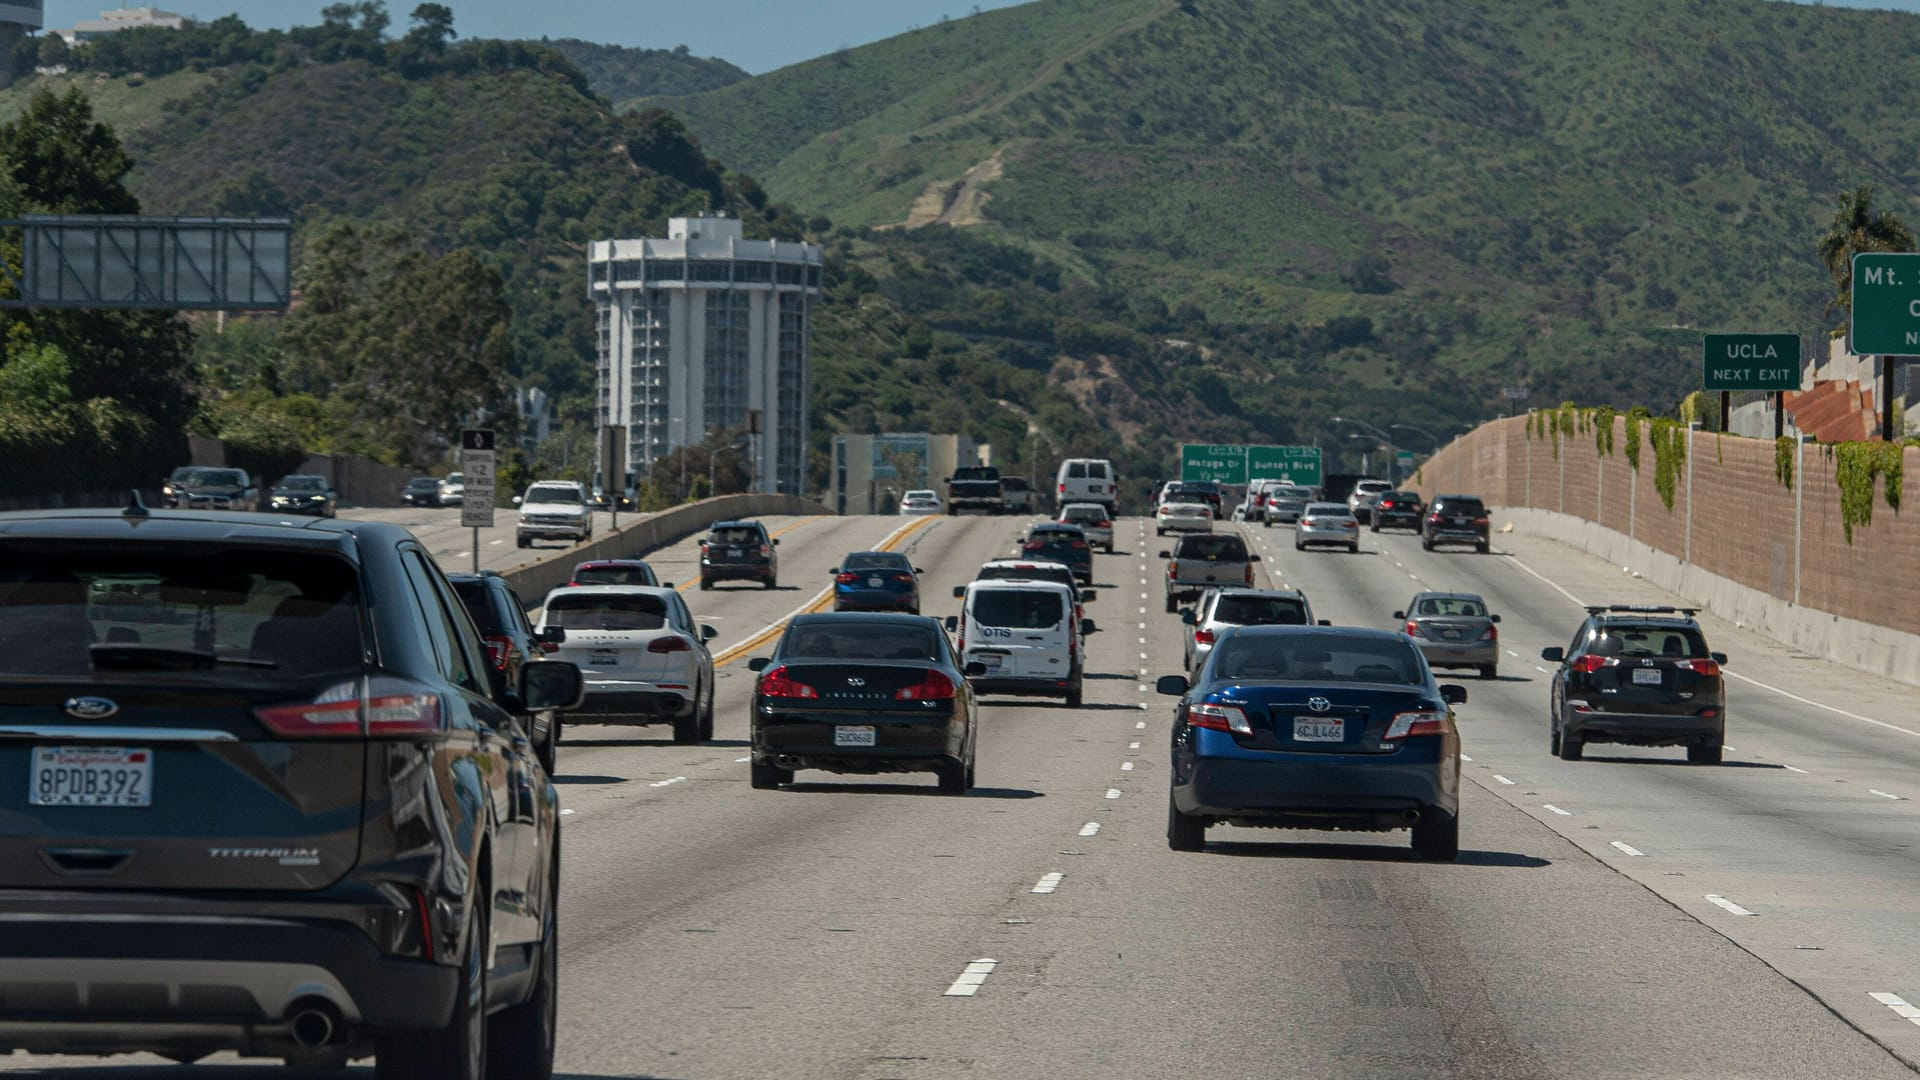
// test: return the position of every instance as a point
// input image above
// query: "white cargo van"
(1087, 480)
(1027, 636)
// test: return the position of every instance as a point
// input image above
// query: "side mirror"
(1189, 617)
(1326, 622)
(1087, 596)
(1086, 627)
(833, 569)
(1719, 658)
(1171, 685)
(1399, 615)
(1166, 554)
(1253, 558)
(918, 570)
(959, 591)
(516, 500)
(552, 635)
(666, 584)
(759, 663)
(708, 633)
(551, 684)
(974, 669)
(953, 624)
(1555, 654)
(1495, 618)
(1454, 695)
(776, 541)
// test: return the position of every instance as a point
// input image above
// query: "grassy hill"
(1555, 193)
(618, 73)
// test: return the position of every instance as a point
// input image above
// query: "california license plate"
(1646, 676)
(853, 736)
(1317, 729)
(90, 776)
(874, 583)
(603, 657)
(733, 553)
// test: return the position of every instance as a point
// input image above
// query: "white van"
(1026, 636)
(1088, 480)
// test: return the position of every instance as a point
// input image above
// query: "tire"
(952, 776)
(1436, 836)
(1426, 544)
(520, 542)
(1373, 526)
(953, 511)
(1484, 549)
(1353, 548)
(1705, 753)
(771, 583)
(1184, 833)
(1266, 524)
(768, 777)
(1173, 605)
(459, 1050)
(549, 751)
(705, 583)
(970, 783)
(1298, 546)
(706, 718)
(1489, 671)
(686, 729)
(520, 1039)
(1076, 693)
(1571, 747)
(1553, 738)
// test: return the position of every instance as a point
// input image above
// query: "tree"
(53, 50)
(63, 161)
(1857, 228)
(432, 27)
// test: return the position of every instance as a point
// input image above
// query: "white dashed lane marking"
(1899, 1005)
(1048, 883)
(1557, 810)
(972, 978)
(1886, 795)
(1722, 902)
(1790, 768)
(1628, 849)
(1141, 724)
(1113, 793)
(1133, 746)
(1091, 828)
(1502, 779)
(1464, 757)
(1126, 766)
(664, 783)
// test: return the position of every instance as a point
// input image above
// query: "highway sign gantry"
(1221, 464)
(1886, 304)
(1769, 362)
(1235, 464)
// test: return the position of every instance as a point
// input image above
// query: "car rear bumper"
(1021, 687)
(1456, 536)
(1460, 654)
(1644, 729)
(644, 704)
(736, 571)
(902, 742)
(1344, 792)
(1327, 536)
(874, 600)
(1387, 519)
(1182, 524)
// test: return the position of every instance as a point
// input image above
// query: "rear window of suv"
(1018, 609)
(1459, 506)
(606, 611)
(1212, 548)
(739, 534)
(614, 575)
(1630, 641)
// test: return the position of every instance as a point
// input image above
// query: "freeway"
(1040, 927)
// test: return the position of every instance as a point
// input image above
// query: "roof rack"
(1643, 609)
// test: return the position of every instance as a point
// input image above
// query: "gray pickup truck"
(975, 487)
(1205, 560)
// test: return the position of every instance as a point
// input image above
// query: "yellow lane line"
(774, 535)
(820, 600)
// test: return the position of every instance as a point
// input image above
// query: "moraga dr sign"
(1768, 362)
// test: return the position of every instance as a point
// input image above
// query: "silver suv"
(1202, 560)
(1360, 502)
(1224, 609)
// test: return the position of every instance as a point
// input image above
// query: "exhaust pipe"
(315, 1026)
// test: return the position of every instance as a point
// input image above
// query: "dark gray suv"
(273, 803)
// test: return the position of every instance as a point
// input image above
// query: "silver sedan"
(1327, 523)
(1454, 630)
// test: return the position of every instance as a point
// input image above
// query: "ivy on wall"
(1669, 448)
(1636, 417)
(1856, 466)
(1603, 429)
(1783, 455)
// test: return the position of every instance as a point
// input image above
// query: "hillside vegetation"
(618, 73)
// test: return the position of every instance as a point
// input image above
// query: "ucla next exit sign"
(1752, 362)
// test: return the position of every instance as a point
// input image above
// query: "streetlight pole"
(1419, 430)
(1385, 439)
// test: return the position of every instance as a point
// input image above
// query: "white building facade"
(118, 19)
(698, 330)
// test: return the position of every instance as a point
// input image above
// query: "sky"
(758, 35)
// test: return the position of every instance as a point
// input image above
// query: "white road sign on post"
(477, 472)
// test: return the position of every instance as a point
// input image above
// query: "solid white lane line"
(1091, 828)
(1113, 793)
(1557, 810)
(1722, 902)
(1899, 1006)
(971, 979)
(664, 783)
(567, 812)
(1048, 883)
(1502, 779)
(1126, 766)
(1628, 849)
(1802, 772)
(1886, 795)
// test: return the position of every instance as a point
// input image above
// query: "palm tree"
(1856, 228)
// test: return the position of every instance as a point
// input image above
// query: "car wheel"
(771, 583)
(1076, 693)
(1553, 738)
(705, 583)
(520, 1040)
(1437, 835)
(1173, 604)
(686, 729)
(1373, 526)
(549, 749)
(952, 776)
(1426, 544)
(970, 783)
(1705, 753)
(706, 718)
(1298, 546)
(1571, 746)
(520, 541)
(766, 777)
(459, 1050)
(1489, 671)
(1484, 548)
(1184, 833)
(1266, 524)
(1353, 548)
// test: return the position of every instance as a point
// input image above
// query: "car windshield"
(1649, 641)
(1451, 605)
(1017, 609)
(208, 477)
(553, 493)
(422, 483)
(614, 574)
(876, 560)
(456, 478)
(1260, 611)
(734, 534)
(302, 483)
(1316, 658)
(216, 614)
(1212, 549)
(606, 611)
(852, 640)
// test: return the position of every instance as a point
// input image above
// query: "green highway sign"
(1752, 362)
(1296, 464)
(1403, 461)
(1222, 464)
(1886, 304)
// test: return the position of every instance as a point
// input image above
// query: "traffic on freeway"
(907, 850)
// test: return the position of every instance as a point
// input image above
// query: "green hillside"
(618, 73)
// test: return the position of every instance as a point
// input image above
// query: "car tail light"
(1480, 521)
(777, 683)
(1249, 574)
(1203, 637)
(1219, 718)
(380, 707)
(1173, 571)
(1063, 489)
(1413, 629)
(846, 578)
(1492, 634)
(766, 551)
(1709, 712)
(1104, 525)
(426, 923)
(935, 687)
(904, 579)
(498, 649)
(1588, 664)
(672, 643)
(1408, 724)
(1701, 667)
(1081, 544)
(1433, 519)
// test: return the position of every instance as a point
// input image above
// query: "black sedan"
(303, 494)
(1397, 510)
(1062, 543)
(863, 693)
(1315, 727)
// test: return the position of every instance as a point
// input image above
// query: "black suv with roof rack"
(1640, 676)
(273, 803)
(739, 551)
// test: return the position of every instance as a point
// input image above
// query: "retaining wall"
(1736, 541)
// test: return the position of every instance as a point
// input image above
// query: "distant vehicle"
(1208, 490)
(1259, 492)
(1094, 519)
(975, 487)
(554, 510)
(1397, 510)
(1028, 570)
(1639, 676)
(616, 572)
(303, 494)
(1285, 504)
(1197, 562)
(1183, 516)
(1454, 630)
(1457, 519)
(1360, 500)
(644, 658)
(453, 490)
(920, 502)
(1026, 637)
(1220, 610)
(1056, 541)
(1016, 495)
(739, 551)
(1088, 480)
(207, 487)
(876, 581)
(421, 491)
(1315, 727)
(863, 694)
(1324, 523)
(501, 618)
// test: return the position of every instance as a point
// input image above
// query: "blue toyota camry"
(876, 581)
(1315, 727)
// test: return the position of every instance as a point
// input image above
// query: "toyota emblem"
(1319, 704)
(90, 708)
(856, 682)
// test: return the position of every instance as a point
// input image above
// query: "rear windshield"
(1462, 506)
(606, 611)
(1449, 605)
(231, 614)
(875, 560)
(1260, 611)
(1084, 513)
(920, 496)
(479, 605)
(1212, 548)
(553, 494)
(614, 575)
(1061, 574)
(1097, 470)
(1316, 658)
(1644, 641)
(1018, 609)
(1328, 510)
(847, 640)
(738, 534)
(1076, 470)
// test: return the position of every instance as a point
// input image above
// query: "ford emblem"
(1319, 704)
(90, 708)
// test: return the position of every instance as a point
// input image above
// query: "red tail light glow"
(390, 707)
(672, 643)
(1203, 637)
(1173, 571)
(777, 683)
(1433, 519)
(1701, 667)
(1479, 521)
(846, 578)
(498, 649)
(1219, 718)
(935, 687)
(1408, 724)
(766, 551)
(1413, 629)
(1492, 634)
(1588, 664)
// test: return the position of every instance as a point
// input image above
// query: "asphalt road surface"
(1039, 927)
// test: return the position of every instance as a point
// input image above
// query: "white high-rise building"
(18, 18)
(699, 329)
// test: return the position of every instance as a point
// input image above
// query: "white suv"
(1364, 495)
(1027, 634)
